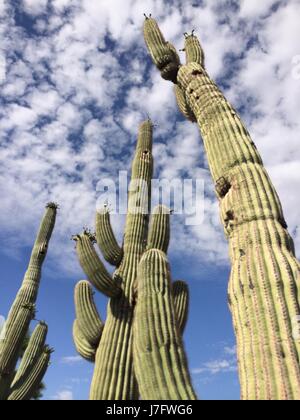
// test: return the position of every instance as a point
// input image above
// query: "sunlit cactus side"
(121, 363)
(265, 279)
(21, 385)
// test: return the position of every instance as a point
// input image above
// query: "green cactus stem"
(106, 239)
(29, 289)
(264, 286)
(163, 53)
(183, 105)
(159, 360)
(114, 373)
(83, 347)
(33, 351)
(93, 266)
(87, 315)
(19, 318)
(193, 50)
(28, 384)
(159, 233)
(181, 303)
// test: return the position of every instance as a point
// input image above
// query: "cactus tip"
(75, 238)
(48, 349)
(192, 34)
(91, 235)
(52, 205)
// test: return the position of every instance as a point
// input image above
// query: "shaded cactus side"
(265, 279)
(122, 364)
(21, 385)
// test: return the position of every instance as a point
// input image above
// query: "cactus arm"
(11, 348)
(25, 389)
(159, 359)
(83, 347)
(264, 283)
(93, 266)
(159, 232)
(183, 106)
(87, 315)
(106, 239)
(181, 303)
(34, 349)
(163, 53)
(193, 50)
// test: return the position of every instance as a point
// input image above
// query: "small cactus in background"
(265, 279)
(138, 351)
(22, 385)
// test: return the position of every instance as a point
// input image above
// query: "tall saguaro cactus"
(21, 385)
(264, 287)
(139, 349)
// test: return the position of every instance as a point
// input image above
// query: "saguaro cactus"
(264, 288)
(149, 362)
(21, 385)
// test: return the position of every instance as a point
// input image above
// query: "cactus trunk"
(22, 385)
(264, 287)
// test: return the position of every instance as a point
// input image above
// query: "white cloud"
(216, 367)
(71, 360)
(2, 67)
(60, 5)
(256, 8)
(64, 395)
(231, 351)
(227, 363)
(76, 92)
(35, 7)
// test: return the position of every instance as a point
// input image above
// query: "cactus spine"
(264, 287)
(23, 384)
(122, 363)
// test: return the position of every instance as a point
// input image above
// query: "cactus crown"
(52, 205)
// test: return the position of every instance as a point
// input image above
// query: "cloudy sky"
(75, 82)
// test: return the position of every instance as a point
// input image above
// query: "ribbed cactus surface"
(21, 385)
(123, 365)
(264, 287)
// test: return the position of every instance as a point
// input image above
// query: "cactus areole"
(264, 287)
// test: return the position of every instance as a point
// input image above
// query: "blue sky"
(75, 82)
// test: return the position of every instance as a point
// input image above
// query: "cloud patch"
(73, 94)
